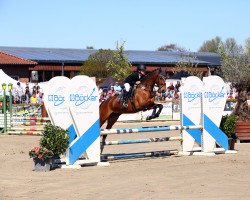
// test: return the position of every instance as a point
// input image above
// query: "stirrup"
(125, 104)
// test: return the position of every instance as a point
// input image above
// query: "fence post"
(4, 107)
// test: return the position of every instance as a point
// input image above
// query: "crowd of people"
(172, 92)
(27, 94)
(35, 94)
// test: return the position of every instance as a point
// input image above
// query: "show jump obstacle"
(74, 105)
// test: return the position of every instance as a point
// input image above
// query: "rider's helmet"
(141, 67)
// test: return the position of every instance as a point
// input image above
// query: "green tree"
(235, 67)
(189, 64)
(211, 45)
(89, 47)
(106, 62)
(171, 47)
(247, 46)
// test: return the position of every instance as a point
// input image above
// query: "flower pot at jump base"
(231, 143)
(42, 165)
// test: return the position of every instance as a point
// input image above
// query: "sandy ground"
(175, 177)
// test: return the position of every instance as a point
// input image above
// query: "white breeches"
(127, 87)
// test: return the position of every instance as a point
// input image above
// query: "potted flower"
(227, 125)
(42, 158)
(55, 139)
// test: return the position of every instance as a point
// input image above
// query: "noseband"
(160, 85)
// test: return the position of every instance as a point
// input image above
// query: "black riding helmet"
(141, 67)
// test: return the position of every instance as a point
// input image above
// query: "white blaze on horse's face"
(161, 83)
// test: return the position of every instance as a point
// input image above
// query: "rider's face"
(142, 72)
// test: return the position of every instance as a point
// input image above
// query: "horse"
(142, 99)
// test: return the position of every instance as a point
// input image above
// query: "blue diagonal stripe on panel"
(220, 137)
(196, 134)
(84, 142)
(72, 133)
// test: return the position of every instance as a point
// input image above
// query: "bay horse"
(142, 99)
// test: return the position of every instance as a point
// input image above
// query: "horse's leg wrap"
(103, 142)
(152, 115)
(160, 107)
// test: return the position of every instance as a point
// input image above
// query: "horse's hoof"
(148, 118)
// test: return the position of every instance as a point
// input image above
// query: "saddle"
(125, 96)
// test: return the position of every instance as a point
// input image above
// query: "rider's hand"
(138, 82)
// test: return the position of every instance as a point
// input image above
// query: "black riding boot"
(125, 99)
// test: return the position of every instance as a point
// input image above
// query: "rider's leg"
(126, 94)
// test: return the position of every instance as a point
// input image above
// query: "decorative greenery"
(228, 124)
(55, 139)
(235, 67)
(189, 64)
(106, 62)
(40, 153)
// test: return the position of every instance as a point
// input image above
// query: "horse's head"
(161, 83)
(154, 78)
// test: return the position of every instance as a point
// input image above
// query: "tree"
(171, 47)
(106, 63)
(89, 47)
(188, 64)
(247, 46)
(235, 67)
(211, 45)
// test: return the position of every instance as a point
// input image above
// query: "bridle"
(160, 85)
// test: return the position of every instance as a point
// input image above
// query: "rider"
(131, 80)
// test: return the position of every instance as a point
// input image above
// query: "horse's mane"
(149, 74)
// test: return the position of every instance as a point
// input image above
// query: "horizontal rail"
(146, 140)
(24, 133)
(147, 129)
(31, 118)
(139, 155)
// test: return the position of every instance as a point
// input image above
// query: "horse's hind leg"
(111, 120)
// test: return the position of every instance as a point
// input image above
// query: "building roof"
(59, 55)
(6, 59)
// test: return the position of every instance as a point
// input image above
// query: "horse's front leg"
(154, 113)
(160, 107)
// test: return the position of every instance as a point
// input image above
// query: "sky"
(139, 24)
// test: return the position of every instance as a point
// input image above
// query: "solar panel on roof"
(80, 55)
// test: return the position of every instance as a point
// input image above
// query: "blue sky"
(142, 24)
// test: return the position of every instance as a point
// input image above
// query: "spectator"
(18, 93)
(40, 97)
(158, 96)
(112, 92)
(99, 90)
(177, 86)
(169, 97)
(171, 86)
(103, 97)
(117, 88)
(33, 98)
(27, 95)
(110, 86)
(176, 95)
